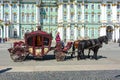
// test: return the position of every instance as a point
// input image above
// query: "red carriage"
(38, 44)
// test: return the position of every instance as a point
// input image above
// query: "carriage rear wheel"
(18, 54)
(59, 56)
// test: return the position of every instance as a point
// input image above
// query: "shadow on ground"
(5, 70)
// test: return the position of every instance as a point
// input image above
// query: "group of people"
(2, 40)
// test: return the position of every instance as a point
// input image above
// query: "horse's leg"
(95, 53)
(73, 51)
(89, 53)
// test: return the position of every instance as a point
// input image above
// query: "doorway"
(109, 32)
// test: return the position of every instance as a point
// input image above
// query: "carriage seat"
(67, 47)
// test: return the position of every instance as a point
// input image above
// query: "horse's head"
(104, 39)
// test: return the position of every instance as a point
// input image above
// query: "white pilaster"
(68, 33)
(58, 13)
(82, 32)
(18, 20)
(117, 33)
(75, 7)
(4, 29)
(103, 31)
(2, 10)
(7, 32)
(75, 33)
(113, 35)
(82, 16)
(68, 12)
(103, 13)
(10, 6)
(114, 12)
(37, 13)
(61, 12)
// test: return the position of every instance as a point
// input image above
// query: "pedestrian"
(119, 42)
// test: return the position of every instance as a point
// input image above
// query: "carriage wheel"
(60, 56)
(18, 55)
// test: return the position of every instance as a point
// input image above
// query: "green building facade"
(74, 19)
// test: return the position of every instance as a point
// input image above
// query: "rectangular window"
(118, 6)
(98, 6)
(79, 17)
(92, 18)
(108, 17)
(92, 6)
(86, 17)
(23, 18)
(98, 18)
(86, 6)
(108, 6)
(15, 18)
(118, 16)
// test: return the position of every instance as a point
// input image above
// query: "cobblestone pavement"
(62, 75)
(107, 67)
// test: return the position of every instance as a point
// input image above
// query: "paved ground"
(107, 67)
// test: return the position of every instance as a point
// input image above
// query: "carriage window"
(38, 41)
(46, 41)
(30, 41)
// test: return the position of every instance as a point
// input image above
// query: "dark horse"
(91, 44)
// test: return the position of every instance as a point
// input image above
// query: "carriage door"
(109, 32)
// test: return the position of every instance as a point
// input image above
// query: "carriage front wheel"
(59, 55)
(18, 54)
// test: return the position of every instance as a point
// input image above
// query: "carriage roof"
(38, 32)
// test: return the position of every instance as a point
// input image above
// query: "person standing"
(58, 37)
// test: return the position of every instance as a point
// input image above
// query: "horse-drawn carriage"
(37, 44)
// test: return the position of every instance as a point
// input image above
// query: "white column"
(68, 33)
(75, 7)
(58, 13)
(4, 29)
(103, 13)
(18, 20)
(113, 35)
(2, 10)
(37, 13)
(10, 6)
(7, 32)
(103, 31)
(117, 33)
(114, 12)
(82, 32)
(82, 16)
(61, 12)
(68, 12)
(75, 33)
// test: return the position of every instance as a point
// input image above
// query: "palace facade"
(74, 19)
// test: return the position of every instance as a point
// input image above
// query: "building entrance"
(109, 32)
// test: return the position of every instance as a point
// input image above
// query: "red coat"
(57, 38)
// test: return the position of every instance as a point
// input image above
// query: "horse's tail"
(73, 50)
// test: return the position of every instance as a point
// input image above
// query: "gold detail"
(114, 4)
(10, 4)
(37, 5)
(103, 4)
